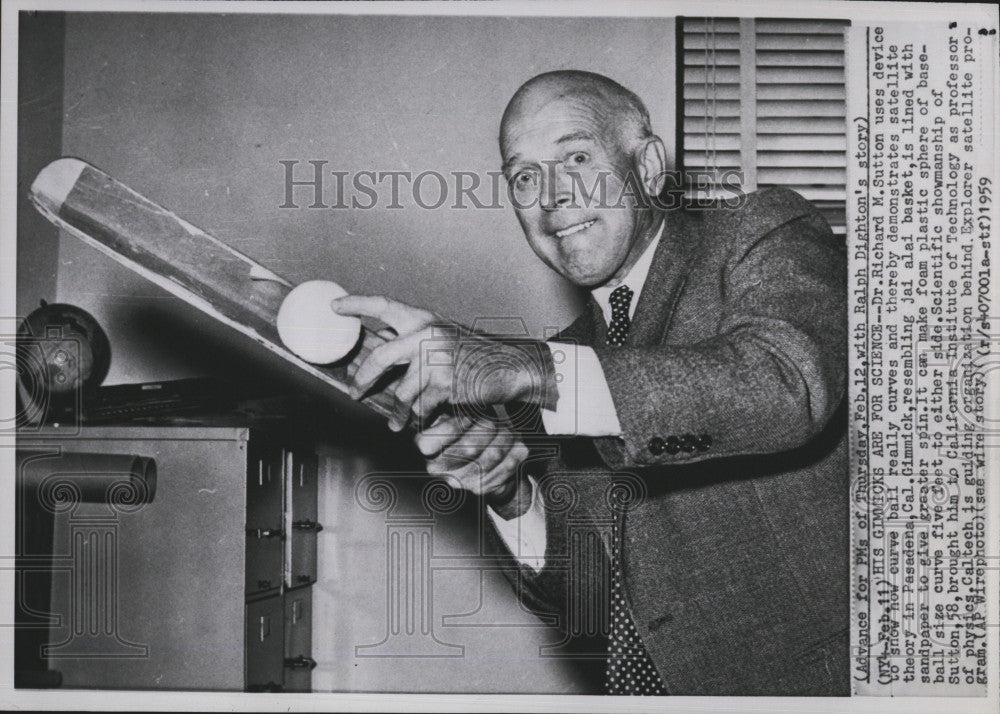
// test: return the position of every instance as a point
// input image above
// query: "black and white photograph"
(495, 355)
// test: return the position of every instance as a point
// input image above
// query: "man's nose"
(558, 192)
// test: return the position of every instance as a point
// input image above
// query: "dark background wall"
(196, 112)
(39, 141)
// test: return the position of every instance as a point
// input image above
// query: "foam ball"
(310, 328)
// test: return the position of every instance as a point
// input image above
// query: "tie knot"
(620, 297)
(619, 300)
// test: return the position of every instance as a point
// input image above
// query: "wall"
(196, 112)
(39, 138)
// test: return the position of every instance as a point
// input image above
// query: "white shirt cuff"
(585, 406)
(525, 535)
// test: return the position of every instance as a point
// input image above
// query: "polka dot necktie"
(630, 670)
(620, 299)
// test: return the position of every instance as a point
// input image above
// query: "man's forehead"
(555, 106)
(512, 147)
(557, 121)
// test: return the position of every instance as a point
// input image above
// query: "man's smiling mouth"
(575, 228)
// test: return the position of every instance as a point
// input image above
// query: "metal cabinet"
(193, 589)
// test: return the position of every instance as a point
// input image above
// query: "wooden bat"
(184, 260)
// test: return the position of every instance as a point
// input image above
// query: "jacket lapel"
(666, 279)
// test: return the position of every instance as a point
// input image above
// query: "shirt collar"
(635, 278)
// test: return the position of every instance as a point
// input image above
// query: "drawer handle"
(307, 526)
(266, 533)
(263, 584)
(300, 662)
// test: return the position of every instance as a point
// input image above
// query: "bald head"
(619, 110)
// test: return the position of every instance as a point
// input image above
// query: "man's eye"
(524, 178)
(578, 158)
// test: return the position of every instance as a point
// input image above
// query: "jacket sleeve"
(577, 524)
(542, 593)
(770, 377)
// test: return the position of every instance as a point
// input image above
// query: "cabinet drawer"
(265, 473)
(298, 640)
(301, 469)
(302, 559)
(265, 644)
(301, 525)
(263, 563)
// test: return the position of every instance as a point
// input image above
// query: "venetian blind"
(766, 97)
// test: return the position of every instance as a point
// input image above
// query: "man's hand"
(479, 456)
(446, 362)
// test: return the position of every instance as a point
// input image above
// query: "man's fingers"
(387, 334)
(478, 464)
(377, 306)
(452, 481)
(507, 467)
(474, 454)
(399, 316)
(446, 467)
(380, 359)
(493, 469)
(426, 403)
(405, 391)
(491, 456)
(476, 443)
(442, 433)
(417, 394)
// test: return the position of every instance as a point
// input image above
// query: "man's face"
(555, 153)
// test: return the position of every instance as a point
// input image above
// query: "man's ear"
(651, 161)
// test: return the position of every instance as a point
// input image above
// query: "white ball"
(310, 328)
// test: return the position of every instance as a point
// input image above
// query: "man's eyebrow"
(512, 161)
(575, 136)
(565, 139)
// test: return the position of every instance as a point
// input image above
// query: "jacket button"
(703, 442)
(687, 443)
(656, 446)
(673, 445)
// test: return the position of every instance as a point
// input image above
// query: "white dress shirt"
(584, 408)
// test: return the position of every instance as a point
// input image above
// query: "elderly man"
(695, 410)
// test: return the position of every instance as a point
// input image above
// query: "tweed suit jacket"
(730, 477)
